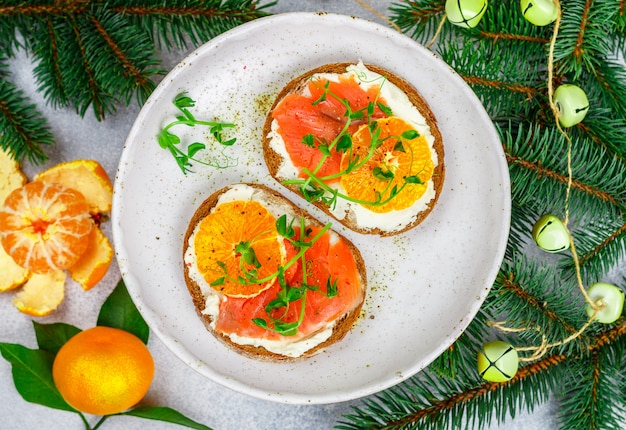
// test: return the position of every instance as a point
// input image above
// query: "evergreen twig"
(98, 54)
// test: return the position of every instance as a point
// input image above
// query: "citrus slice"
(85, 176)
(94, 263)
(44, 227)
(11, 177)
(41, 294)
(238, 240)
(13, 275)
(396, 159)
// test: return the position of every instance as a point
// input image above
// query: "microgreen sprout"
(170, 141)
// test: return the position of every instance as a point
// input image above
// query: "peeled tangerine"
(47, 227)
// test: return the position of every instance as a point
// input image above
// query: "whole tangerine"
(103, 370)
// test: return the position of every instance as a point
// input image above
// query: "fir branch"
(585, 36)
(536, 158)
(595, 391)
(532, 297)
(100, 54)
(426, 402)
(601, 245)
(420, 18)
(23, 129)
(179, 23)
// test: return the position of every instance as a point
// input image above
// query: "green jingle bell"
(465, 13)
(539, 12)
(497, 361)
(611, 300)
(550, 234)
(572, 104)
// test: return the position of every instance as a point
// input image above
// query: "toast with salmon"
(266, 278)
(360, 143)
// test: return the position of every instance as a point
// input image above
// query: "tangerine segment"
(42, 294)
(413, 158)
(103, 370)
(44, 227)
(94, 263)
(233, 231)
(298, 115)
(85, 176)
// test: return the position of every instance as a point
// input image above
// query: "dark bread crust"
(341, 327)
(274, 159)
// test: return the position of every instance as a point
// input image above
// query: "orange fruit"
(85, 176)
(11, 177)
(415, 160)
(221, 240)
(94, 263)
(44, 227)
(103, 370)
(42, 294)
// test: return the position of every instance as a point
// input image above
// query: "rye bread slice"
(342, 325)
(274, 160)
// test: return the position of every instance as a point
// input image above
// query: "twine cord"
(541, 350)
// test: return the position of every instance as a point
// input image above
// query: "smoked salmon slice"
(321, 111)
(326, 259)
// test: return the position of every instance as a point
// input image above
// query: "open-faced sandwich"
(268, 279)
(360, 143)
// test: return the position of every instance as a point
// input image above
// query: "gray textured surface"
(175, 385)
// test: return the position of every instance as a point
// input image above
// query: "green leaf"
(309, 140)
(218, 281)
(331, 288)
(51, 337)
(356, 115)
(295, 293)
(165, 414)
(183, 101)
(344, 143)
(383, 175)
(399, 147)
(324, 150)
(385, 109)
(119, 311)
(410, 134)
(194, 148)
(260, 322)
(414, 179)
(32, 375)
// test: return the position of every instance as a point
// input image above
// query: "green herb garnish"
(171, 142)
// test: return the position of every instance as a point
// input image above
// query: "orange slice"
(11, 177)
(414, 159)
(94, 263)
(13, 275)
(44, 227)
(220, 244)
(85, 176)
(41, 294)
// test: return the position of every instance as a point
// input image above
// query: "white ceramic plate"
(424, 286)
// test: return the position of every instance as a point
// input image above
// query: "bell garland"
(569, 103)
